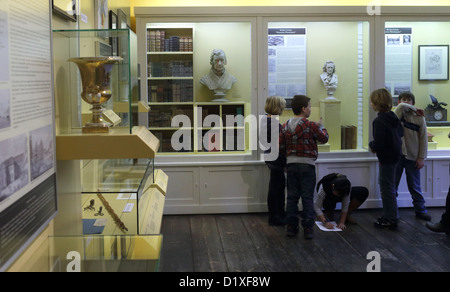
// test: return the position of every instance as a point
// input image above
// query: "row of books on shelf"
(232, 141)
(157, 42)
(171, 91)
(235, 112)
(174, 68)
(211, 142)
(163, 117)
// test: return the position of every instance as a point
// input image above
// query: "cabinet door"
(182, 190)
(231, 189)
(441, 182)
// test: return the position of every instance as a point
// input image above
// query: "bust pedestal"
(330, 111)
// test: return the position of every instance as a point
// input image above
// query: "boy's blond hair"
(381, 99)
(275, 105)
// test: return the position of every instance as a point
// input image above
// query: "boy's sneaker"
(424, 216)
(438, 227)
(291, 230)
(385, 223)
(308, 233)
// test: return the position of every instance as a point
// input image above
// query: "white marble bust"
(329, 79)
(218, 79)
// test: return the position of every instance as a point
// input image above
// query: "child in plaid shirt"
(298, 141)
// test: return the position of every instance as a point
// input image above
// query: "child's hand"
(420, 163)
(319, 123)
(328, 225)
(341, 226)
(420, 112)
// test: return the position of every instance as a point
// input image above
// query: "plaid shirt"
(303, 141)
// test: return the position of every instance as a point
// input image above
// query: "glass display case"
(416, 60)
(122, 108)
(177, 57)
(122, 197)
(303, 55)
(93, 253)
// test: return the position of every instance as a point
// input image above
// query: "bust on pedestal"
(329, 79)
(330, 107)
(218, 79)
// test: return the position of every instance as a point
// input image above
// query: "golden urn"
(96, 82)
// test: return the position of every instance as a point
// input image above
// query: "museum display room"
(283, 51)
(160, 114)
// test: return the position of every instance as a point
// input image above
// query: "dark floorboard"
(245, 243)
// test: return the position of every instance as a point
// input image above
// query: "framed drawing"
(66, 9)
(121, 19)
(112, 20)
(101, 14)
(433, 62)
(113, 41)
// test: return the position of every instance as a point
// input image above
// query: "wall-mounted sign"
(27, 139)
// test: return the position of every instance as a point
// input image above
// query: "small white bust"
(218, 79)
(329, 79)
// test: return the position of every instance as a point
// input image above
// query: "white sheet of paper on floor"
(323, 228)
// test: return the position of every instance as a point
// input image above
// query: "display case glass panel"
(298, 56)
(94, 253)
(416, 54)
(122, 196)
(121, 110)
(183, 104)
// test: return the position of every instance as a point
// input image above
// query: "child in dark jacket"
(277, 184)
(387, 143)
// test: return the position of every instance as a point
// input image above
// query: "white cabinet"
(216, 189)
(183, 193)
(207, 188)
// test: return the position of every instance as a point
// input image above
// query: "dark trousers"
(276, 196)
(356, 193)
(445, 220)
(301, 180)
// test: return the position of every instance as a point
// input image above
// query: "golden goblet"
(96, 82)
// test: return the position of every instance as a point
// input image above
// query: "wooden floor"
(245, 242)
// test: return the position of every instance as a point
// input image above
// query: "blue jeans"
(386, 180)
(413, 181)
(301, 180)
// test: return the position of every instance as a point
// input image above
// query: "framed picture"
(101, 14)
(112, 20)
(102, 49)
(433, 62)
(66, 9)
(113, 41)
(121, 19)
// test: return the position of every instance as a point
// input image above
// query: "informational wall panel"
(287, 62)
(398, 60)
(27, 140)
